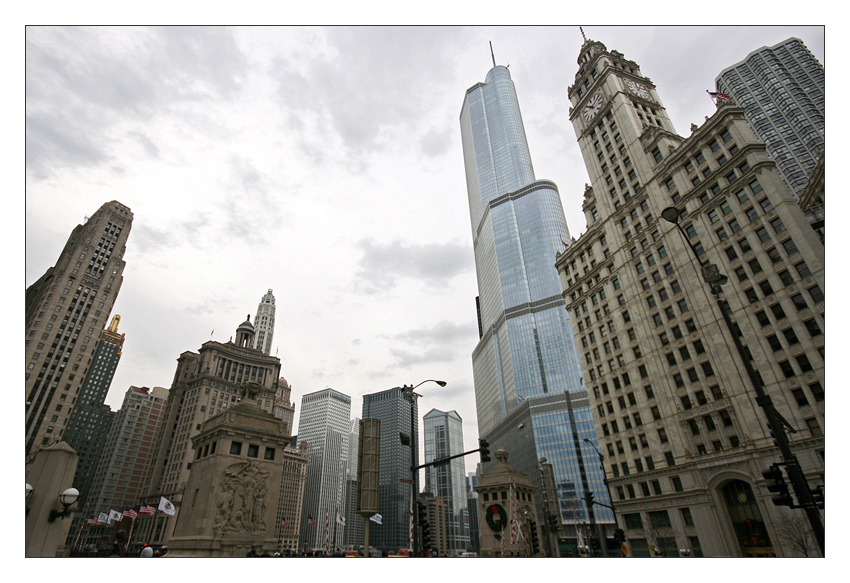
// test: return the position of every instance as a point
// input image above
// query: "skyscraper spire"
(492, 54)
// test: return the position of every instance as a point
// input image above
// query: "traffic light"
(817, 496)
(424, 527)
(594, 546)
(483, 449)
(776, 483)
(619, 536)
(553, 523)
(590, 499)
(535, 542)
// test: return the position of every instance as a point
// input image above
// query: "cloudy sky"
(322, 163)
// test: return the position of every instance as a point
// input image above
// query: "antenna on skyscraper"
(491, 53)
(582, 34)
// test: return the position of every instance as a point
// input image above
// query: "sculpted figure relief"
(241, 499)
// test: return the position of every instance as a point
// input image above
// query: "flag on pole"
(310, 520)
(92, 520)
(564, 243)
(717, 95)
(102, 518)
(145, 509)
(114, 515)
(130, 513)
(166, 506)
(376, 518)
(340, 519)
(283, 522)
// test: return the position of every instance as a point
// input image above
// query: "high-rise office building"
(398, 414)
(525, 363)
(683, 437)
(264, 324)
(782, 90)
(91, 419)
(324, 426)
(205, 384)
(66, 310)
(288, 529)
(355, 525)
(444, 438)
(128, 452)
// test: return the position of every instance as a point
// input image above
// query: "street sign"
(624, 549)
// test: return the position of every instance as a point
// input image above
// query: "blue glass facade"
(527, 350)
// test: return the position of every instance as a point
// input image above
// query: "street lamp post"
(414, 474)
(715, 280)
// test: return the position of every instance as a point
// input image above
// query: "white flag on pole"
(166, 506)
(114, 515)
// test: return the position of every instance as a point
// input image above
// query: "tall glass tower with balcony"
(526, 352)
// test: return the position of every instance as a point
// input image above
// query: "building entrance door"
(746, 520)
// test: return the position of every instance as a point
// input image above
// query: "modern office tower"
(205, 384)
(526, 358)
(398, 414)
(472, 522)
(355, 525)
(437, 514)
(291, 497)
(444, 438)
(91, 419)
(66, 310)
(782, 90)
(264, 324)
(324, 427)
(127, 454)
(682, 435)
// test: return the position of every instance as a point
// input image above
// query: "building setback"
(526, 352)
(684, 441)
(323, 425)
(66, 310)
(782, 90)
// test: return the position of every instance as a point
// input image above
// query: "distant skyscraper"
(66, 310)
(444, 438)
(354, 523)
(264, 324)
(782, 90)
(91, 419)
(392, 407)
(526, 358)
(288, 528)
(324, 427)
(119, 479)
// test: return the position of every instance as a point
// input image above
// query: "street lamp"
(715, 279)
(414, 475)
(67, 498)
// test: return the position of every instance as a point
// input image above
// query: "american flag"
(91, 520)
(310, 520)
(718, 94)
(145, 509)
(283, 522)
(130, 513)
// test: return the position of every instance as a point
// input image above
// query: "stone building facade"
(684, 441)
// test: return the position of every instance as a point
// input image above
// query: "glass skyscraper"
(783, 92)
(444, 438)
(393, 408)
(526, 351)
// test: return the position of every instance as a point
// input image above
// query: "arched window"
(746, 519)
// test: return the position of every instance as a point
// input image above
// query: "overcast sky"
(322, 163)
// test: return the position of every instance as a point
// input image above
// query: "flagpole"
(79, 536)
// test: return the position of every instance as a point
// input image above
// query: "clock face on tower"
(592, 107)
(638, 89)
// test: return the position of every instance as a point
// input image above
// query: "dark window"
(774, 342)
(253, 450)
(786, 277)
(787, 369)
(235, 447)
(812, 327)
(816, 293)
(800, 397)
